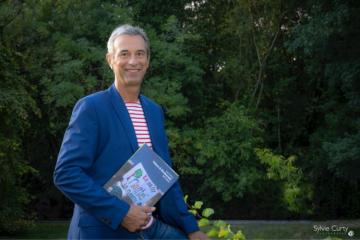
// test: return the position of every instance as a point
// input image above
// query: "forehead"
(130, 43)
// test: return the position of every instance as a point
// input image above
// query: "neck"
(128, 93)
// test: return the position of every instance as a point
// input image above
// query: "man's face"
(129, 60)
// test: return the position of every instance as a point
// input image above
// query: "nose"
(132, 60)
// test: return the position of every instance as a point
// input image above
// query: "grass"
(42, 230)
(298, 229)
(252, 229)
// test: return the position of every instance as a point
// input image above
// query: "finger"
(149, 209)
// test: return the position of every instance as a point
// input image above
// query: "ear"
(109, 59)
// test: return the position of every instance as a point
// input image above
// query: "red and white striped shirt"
(142, 133)
(139, 122)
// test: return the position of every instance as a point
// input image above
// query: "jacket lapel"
(123, 115)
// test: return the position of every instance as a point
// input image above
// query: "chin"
(133, 82)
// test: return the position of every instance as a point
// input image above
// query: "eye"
(123, 54)
(140, 54)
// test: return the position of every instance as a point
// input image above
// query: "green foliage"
(15, 106)
(342, 156)
(324, 52)
(171, 69)
(218, 229)
(14, 196)
(279, 168)
(47, 63)
(222, 153)
(297, 194)
(207, 212)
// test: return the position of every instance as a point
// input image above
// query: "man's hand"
(199, 235)
(137, 217)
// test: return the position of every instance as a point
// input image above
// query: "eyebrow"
(140, 50)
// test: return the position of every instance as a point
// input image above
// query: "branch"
(257, 54)
(263, 64)
(274, 38)
(253, 35)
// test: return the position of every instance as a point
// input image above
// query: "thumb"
(149, 209)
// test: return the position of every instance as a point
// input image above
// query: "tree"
(16, 106)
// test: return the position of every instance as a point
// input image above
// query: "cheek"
(117, 66)
(146, 65)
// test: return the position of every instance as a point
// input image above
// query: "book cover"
(143, 179)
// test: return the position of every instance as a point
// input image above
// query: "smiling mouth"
(133, 70)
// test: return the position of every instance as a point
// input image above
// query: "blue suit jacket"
(98, 141)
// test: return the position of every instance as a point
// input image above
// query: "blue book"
(143, 179)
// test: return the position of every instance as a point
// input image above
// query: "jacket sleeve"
(177, 211)
(74, 163)
(173, 208)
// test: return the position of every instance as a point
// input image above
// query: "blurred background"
(262, 100)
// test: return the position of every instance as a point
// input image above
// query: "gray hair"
(127, 29)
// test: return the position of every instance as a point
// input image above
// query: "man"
(105, 129)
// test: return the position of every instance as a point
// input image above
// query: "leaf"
(198, 204)
(223, 232)
(229, 228)
(207, 212)
(203, 222)
(212, 233)
(186, 198)
(239, 236)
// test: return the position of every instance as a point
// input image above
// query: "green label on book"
(138, 173)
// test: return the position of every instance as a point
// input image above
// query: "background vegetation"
(262, 100)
